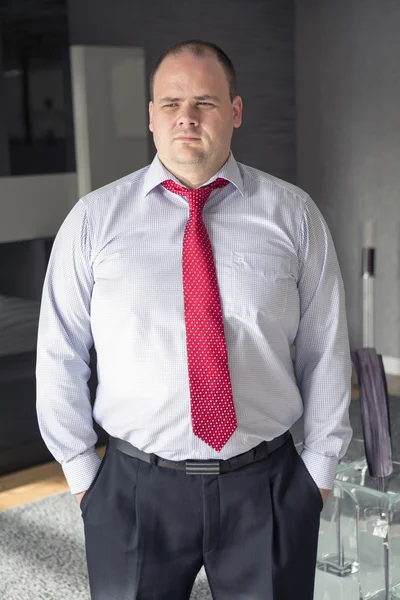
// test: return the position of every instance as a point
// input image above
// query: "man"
(193, 277)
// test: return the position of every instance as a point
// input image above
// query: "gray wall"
(348, 141)
(258, 36)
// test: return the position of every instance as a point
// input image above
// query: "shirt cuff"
(322, 468)
(81, 471)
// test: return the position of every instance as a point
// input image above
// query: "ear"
(151, 116)
(237, 107)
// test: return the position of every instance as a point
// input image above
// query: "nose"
(188, 117)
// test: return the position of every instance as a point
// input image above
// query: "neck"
(193, 176)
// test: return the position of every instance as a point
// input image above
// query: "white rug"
(42, 554)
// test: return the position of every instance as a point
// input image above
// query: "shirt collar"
(157, 173)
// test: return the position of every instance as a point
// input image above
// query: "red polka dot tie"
(211, 401)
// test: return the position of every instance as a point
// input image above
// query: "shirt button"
(197, 454)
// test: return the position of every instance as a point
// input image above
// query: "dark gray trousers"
(148, 530)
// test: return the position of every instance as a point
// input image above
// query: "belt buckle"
(202, 467)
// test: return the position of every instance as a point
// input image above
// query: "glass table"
(359, 538)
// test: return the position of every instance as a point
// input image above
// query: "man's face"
(192, 117)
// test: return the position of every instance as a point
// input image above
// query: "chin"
(189, 158)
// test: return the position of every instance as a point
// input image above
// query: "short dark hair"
(200, 49)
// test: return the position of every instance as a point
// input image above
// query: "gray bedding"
(18, 325)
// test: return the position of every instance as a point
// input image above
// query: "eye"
(170, 105)
(205, 103)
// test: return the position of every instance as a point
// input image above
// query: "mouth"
(184, 138)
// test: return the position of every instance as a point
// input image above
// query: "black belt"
(204, 467)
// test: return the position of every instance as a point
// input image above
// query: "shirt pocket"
(261, 284)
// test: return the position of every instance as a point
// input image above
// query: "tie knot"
(197, 197)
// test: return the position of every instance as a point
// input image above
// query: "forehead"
(185, 72)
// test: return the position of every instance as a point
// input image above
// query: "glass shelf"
(360, 532)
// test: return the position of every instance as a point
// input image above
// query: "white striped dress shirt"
(114, 280)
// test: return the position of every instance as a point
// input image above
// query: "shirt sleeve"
(322, 352)
(63, 353)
